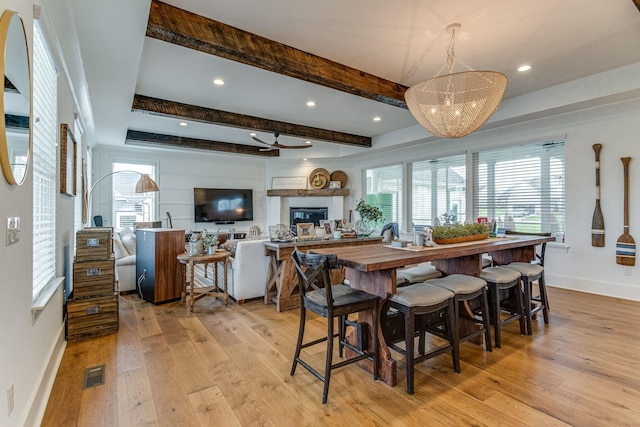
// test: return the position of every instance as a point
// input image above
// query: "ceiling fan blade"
(261, 141)
(267, 149)
(277, 144)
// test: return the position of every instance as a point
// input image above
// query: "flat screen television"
(222, 205)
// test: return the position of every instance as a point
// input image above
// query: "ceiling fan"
(276, 145)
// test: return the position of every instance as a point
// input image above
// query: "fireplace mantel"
(326, 192)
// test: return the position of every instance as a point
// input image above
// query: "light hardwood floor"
(226, 366)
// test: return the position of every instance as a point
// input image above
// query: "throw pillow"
(129, 242)
(119, 251)
(230, 246)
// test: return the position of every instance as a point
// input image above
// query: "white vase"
(211, 249)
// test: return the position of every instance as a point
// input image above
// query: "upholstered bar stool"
(416, 302)
(501, 279)
(530, 273)
(467, 288)
(418, 274)
(330, 301)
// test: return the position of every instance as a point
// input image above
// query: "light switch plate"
(13, 230)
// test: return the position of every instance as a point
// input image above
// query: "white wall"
(31, 345)
(178, 174)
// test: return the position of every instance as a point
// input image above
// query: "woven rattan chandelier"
(456, 104)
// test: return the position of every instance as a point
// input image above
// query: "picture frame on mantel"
(289, 183)
(68, 161)
(305, 230)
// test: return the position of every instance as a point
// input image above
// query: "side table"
(190, 293)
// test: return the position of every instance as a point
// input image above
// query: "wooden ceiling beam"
(637, 2)
(161, 107)
(135, 137)
(178, 26)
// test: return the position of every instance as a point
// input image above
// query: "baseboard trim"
(615, 290)
(40, 397)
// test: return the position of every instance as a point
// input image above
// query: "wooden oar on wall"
(597, 222)
(626, 246)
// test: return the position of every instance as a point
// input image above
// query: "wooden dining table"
(374, 271)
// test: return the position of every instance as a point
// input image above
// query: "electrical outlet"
(13, 230)
(10, 400)
(627, 271)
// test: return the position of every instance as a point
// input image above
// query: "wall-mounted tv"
(222, 205)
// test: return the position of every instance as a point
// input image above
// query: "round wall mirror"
(15, 135)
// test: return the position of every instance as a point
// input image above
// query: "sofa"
(124, 251)
(247, 269)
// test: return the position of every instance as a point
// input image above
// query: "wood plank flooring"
(229, 366)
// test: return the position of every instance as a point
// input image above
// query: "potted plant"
(456, 233)
(210, 241)
(370, 215)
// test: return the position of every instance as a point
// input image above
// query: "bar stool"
(503, 279)
(330, 301)
(424, 305)
(418, 274)
(530, 273)
(467, 288)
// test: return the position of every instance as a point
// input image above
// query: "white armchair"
(247, 273)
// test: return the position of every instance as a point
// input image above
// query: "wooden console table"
(282, 282)
(191, 294)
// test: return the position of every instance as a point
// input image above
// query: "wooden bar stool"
(503, 279)
(467, 288)
(330, 301)
(418, 303)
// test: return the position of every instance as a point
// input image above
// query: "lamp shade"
(146, 185)
(454, 105)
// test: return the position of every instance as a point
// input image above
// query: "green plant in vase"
(370, 216)
(210, 240)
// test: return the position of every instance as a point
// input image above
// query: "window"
(438, 191)
(384, 189)
(45, 134)
(522, 187)
(129, 206)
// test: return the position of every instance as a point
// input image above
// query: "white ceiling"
(402, 41)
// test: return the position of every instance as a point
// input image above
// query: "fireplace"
(305, 215)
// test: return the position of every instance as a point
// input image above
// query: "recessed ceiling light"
(311, 103)
(523, 68)
(218, 82)
(377, 118)
(252, 134)
(183, 123)
(304, 159)
(307, 142)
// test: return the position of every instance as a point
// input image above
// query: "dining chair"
(318, 295)
(531, 272)
(425, 308)
(503, 280)
(467, 288)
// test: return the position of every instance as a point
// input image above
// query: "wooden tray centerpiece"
(459, 233)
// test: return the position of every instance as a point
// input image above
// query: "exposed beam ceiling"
(178, 26)
(145, 104)
(154, 139)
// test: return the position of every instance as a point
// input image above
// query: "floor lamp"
(144, 185)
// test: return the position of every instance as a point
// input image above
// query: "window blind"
(384, 189)
(45, 134)
(438, 189)
(522, 187)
